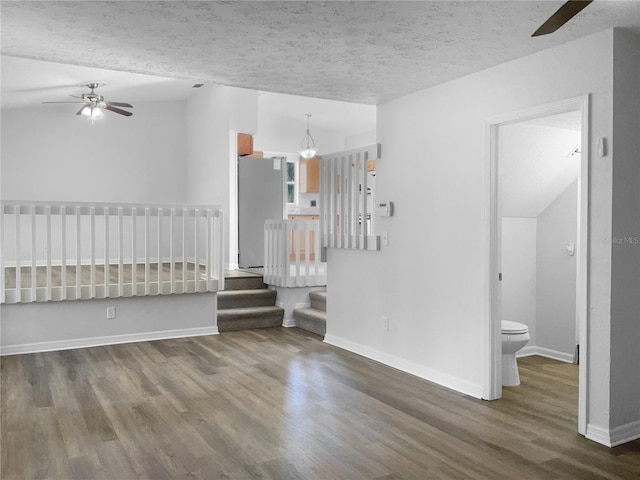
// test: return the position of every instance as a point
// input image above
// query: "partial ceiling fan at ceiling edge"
(93, 104)
(565, 13)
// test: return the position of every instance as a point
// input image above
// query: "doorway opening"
(537, 256)
(262, 195)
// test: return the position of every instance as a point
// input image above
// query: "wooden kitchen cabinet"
(245, 144)
(302, 239)
(309, 172)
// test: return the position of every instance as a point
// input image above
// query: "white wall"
(37, 327)
(360, 140)
(208, 146)
(214, 114)
(50, 154)
(556, 274)
(431, 279)
(519, 272)
(282, 123)
(278, 133)
(625, 285)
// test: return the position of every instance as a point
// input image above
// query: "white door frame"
(492, 387)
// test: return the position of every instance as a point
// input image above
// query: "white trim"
(582, 268)
(492, 381)
(231, 266)
(615, 436)
(109, 340)
(230, 252)
(448, 381)
(289, 319)
(492, 375)
(624, 433)
(545, 352)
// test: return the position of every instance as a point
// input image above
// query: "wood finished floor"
(279, 403)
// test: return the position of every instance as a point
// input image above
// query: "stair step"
(319, 300)
(252, 282)
(246, 298)
(247, 318)
(311, 319)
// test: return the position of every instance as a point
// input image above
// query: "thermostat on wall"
(384, 209)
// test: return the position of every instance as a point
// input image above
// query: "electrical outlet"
(385, 324)
(385, 238)
(111, 313)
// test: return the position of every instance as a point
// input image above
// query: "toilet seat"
(513, 328)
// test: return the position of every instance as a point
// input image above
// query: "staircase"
(313, 318)
(247, 303)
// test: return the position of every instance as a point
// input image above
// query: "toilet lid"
(513, 327)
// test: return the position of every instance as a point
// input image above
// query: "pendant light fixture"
(310, 150)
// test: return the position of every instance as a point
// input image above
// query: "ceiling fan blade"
(565, 13)
(63, 102)
(119, 104)
(80, 111)
(43, 89)
(118, 110)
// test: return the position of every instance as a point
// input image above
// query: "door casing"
(492, 385)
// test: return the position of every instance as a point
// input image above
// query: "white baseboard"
(110, 340)
(407, 366)
(545, 352)
(289, 320)
(615, 436)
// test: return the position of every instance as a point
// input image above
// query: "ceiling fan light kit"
(310, 150)
(93, 112)
(94, 104)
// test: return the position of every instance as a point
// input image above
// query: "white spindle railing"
(344, 208)
(112, 239)
(292, 254)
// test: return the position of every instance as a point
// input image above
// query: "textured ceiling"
(360, 51)
(535, 163)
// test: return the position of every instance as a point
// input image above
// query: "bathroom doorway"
(538, 236)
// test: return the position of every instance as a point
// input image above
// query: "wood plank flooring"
(280, 404)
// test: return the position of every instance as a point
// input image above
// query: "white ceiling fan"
(93, 104)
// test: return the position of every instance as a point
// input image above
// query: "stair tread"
(253, 291)
(311, 312)
(248, 311)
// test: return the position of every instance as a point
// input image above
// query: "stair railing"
(292, 254)
(52, 251)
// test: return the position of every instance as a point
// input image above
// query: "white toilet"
(514, 336)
